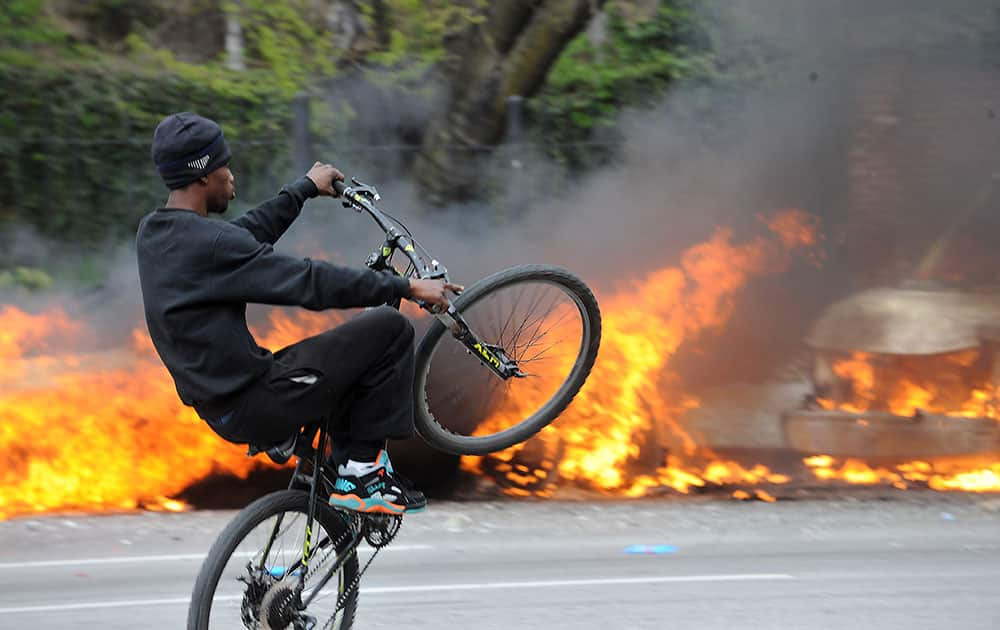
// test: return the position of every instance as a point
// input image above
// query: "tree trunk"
(508, 53)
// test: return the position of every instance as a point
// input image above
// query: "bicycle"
(511, 325)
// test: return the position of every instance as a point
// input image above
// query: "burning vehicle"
(903, 373)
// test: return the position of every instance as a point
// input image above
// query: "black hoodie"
(198, 274)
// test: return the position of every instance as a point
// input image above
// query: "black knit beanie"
(186, 147)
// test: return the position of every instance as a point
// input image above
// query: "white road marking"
(92, 605)
(430, 587)
(73, 562)
(592, 582)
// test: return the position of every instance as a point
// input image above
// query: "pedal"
(278, 453)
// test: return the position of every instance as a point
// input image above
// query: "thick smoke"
(721, 153)
(877, 117)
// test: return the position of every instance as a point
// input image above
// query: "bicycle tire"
(444, 439)
(244, 523)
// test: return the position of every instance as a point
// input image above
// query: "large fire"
(106, 431)
(630, 402)
(624, 434)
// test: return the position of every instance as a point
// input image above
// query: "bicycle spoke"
(534, 342)
(512, 310)
(485, 403)
(522, 325)
(498, 310)
(541, 321)
(532, 322)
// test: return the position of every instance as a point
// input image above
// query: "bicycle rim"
(543, 318)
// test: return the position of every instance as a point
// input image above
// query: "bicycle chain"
(360, 520)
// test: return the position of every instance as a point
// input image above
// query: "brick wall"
(924, 144)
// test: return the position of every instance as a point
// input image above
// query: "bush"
(27, 277)
(74, 142)
(639, 59)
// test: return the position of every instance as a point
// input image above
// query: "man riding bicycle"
(197, 275)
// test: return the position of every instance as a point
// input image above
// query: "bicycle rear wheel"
(545, 319)
(250, 574)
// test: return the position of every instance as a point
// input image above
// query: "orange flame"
(22, 332)
(952, 384)
(905, 385)
(104, 431)
(940, 475)
(629, 400)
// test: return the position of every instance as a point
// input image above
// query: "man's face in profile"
(221, 189)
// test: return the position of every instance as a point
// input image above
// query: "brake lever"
(365, 189)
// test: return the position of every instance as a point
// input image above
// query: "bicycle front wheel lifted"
(540, 318)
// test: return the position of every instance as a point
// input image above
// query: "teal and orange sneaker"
(379, 490)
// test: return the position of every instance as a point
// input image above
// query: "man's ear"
(203, 180)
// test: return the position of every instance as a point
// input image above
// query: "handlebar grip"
(340, 187)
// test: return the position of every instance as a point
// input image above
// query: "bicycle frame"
(360, 198)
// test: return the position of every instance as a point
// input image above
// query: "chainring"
(380, 529)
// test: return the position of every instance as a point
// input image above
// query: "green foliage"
(287, 39)
(410, 34)
(24, 27)
(26, 277)
(74, 148)
(638, 61)
(75, 128)
(81, 91)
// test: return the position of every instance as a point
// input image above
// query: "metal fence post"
(515, 118)
(516, 196)
(302, 154)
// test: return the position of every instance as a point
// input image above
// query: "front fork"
(492, 356)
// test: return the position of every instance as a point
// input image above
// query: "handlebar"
(360, 197)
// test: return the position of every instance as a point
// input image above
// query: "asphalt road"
(918, 560)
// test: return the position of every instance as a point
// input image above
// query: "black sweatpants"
(363, 373)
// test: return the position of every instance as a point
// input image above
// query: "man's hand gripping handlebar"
(432, 292)
(429, 293)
